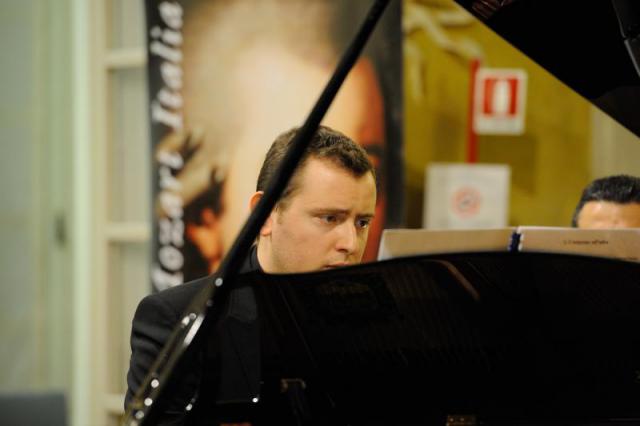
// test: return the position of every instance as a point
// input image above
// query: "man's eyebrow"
(366, 216)
(330, 211)
(338, 211)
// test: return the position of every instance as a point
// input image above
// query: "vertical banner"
(227, 77)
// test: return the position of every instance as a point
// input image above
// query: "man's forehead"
(314, 168)
(604, 205)
(322, 184)
(609, 213)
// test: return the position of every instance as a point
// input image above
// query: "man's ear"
(253, 202)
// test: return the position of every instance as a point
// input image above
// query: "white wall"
(21, 249)
(35, 121)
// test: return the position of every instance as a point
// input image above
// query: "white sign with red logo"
(466, 196)
(499, 100)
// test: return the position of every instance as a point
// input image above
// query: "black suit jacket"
(228, 364)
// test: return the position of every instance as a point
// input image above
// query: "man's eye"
(330, 218)
(363, 223)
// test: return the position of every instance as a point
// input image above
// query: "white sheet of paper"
(617, 243)
(414, 242)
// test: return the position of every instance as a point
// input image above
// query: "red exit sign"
(499, 101)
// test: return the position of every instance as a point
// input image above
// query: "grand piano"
(452, 339)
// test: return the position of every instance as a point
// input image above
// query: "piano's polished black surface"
(508, 337)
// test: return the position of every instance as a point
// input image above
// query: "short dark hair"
(620, 189)
(326, 144)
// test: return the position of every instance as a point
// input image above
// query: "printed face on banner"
(252, 70)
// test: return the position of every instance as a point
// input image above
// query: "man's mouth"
(337, 265)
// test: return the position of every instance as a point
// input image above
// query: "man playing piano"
(321, 221)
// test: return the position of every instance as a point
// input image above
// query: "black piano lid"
(504, 336)
(582, 43)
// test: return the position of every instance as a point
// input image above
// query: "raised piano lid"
(583, 44)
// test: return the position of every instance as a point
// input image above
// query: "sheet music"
(411, 242)
(617, 243)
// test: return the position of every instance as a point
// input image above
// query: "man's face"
(323, 224)
(604, 214)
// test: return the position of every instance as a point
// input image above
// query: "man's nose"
(348, 238)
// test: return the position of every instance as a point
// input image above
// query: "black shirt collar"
(251, 262)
